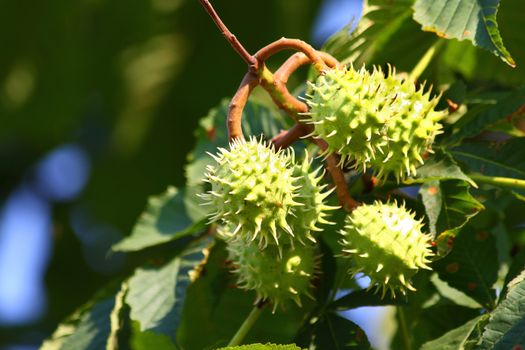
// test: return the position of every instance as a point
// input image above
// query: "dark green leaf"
(149, 340)
(364, 297)
(472, 265)
(454, 339)
(262, 347)
(478, 119)
(333, 332)
(505, 159)
(506, 327)
(164, 220)
(448, 205)
(156, 294)
(474, 20)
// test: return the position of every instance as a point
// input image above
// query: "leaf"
(440, 166)
(116, 318)
(376, 37)
(212, 133)
(480, 65)
(438, 319)
(472, 265)
(262, 347)
(165, 219)
(505, 159)
(93, 329)
(478, 119)
(448, 205)
(149, 340)
(89, 327)
(156, 294)
(334, 332)
(474, 20)
(363, 297)
(506, 327)
(454, 339)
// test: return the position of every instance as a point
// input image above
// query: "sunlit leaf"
(474, 20)
(454, 339)
(165, 219)
(156, 294)
(506, 327)
(448, 204)
(440, 166)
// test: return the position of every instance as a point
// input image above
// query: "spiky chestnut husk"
(373, 120)
(276, 273)
(311, 195)
(386, 243)
(260, 194)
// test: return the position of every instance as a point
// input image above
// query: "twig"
(339, 179)
(300, 59)
(294, 44)
(234, 121)
(230, 37)
(287, 137)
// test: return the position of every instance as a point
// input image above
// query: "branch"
(339, 179)
(230, 37)
(300, 59)
(234, 121)
(294, 44)
(287, 137)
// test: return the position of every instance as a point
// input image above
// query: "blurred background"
(98, 103)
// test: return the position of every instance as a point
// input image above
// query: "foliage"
(181, 293)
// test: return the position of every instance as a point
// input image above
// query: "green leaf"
(116, 316)
(149, 340)
(480, 65)
(506, 327)
(262, 347)
(89, 327)
(472, 265)
(212, 133)
(156, 294)
(505, 159)
(448, 205)
(477, 120)
(165, 219)
(376, 37)
(474, 20)
(440, 166)
(455, 339)
(363, 297)
(332, 331)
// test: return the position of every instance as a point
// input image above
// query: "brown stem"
(300, 59)
(234, 121)
(230, 37)
(287, 137)
(339, 179)
(294, 44)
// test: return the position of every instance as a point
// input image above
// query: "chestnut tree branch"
(236, 106)
(230, 37)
